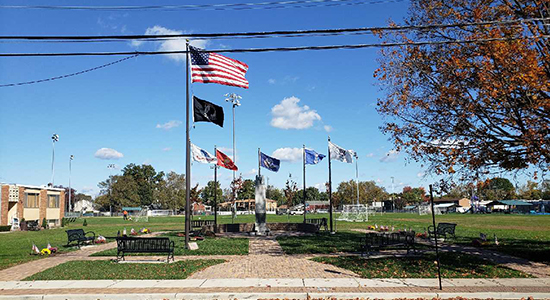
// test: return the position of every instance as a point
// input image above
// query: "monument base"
(260, 226)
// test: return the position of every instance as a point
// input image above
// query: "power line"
(68, 75)
(286, 49)
(218, 7)
(279, 32)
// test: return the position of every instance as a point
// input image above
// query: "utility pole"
(70, 171)
(234, 99)
(55, 138)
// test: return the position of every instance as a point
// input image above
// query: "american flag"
(214, 68)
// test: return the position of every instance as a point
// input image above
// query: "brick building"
(31, 203)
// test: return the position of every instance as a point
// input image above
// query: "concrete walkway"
(294, 288)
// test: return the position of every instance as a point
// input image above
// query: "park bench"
(79, 236)
(381, 240)
(443, 230)
(144, 245)
(319, 222)
(197, 225)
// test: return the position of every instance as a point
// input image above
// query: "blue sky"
(136, 107)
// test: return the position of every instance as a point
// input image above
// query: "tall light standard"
(356, 174)
(235, 100)
(110, 167)
(70, 190)
(393, 194)
(55, 138)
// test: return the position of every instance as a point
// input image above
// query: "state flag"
(312, 157)
(202, 156)
(269, 162)
(340, 153)
(204, 111)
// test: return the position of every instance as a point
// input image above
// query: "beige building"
(250, 205)
(31, 203)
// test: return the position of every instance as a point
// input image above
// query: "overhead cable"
(286, 49)
(279, 32)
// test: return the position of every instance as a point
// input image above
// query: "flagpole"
(187, 152)
(215, 194)
(259, 162)
(435, 236)
(304, 162)
(329, 188)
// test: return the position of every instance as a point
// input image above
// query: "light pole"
(393, 194)
(55, 138)
(70, 170)
(110, 167)
(235, 100)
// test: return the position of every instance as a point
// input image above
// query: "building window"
(53, 201)
(32, 200)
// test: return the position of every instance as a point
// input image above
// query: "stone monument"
(261, 228)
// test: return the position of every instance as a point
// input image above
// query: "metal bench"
(144, 245)
(197, 225)
(443, 230)
(320, 222)
(79, 236)
(374, 241)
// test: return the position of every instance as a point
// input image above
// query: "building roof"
(444, 205)
(131, 208)
(317, 202)
(509, 202)
(449, 199)
(38, 187)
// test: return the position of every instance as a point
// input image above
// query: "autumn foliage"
(470, 106)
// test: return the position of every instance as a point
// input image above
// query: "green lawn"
(208, 246)
(453, 265)
(95, 270)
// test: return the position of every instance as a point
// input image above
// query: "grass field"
(453, 265)
(96, 270)
(525, 236)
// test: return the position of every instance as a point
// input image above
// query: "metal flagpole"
(70, 171)
(357, 176)
(304, 162)
(215, 194)
(259, 162)
(187, 152)
(329, 188)
(234, 99)
(55, 138)
(435, 235)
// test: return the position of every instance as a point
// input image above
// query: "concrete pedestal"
(261, 228)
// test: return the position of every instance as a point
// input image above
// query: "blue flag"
(269, 162)
(312, 157)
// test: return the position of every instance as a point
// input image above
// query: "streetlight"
(70, 190)
(110, 167)
(55, 138)
(393, 194)
(235, 100)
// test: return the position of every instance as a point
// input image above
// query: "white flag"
(340, 154)
(202, 156)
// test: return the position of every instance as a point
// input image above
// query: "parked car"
(297, 212)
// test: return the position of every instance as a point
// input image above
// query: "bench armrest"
(93, 233)
(172, 246)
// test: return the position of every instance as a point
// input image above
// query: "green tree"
(170, 192)
(496, 189)
(368, 192)
(530, 191)
(413, 195)
(209, 191)
(248, 190)
(146, 179)
(274, 193)
(312, 194)
(290, 192)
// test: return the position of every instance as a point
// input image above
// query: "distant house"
(200, 209)
(250, 205)
(317, 205)
(32, 203)
(458, 202)
(84, 206)
(510, 206)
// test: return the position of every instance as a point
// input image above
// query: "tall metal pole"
(110, 167)
(304, 162)
(330, 188)
(187, 152)
(234, 99)
(70, 171)
(435, 235)
(215, 195)
(259, 162)
(55, 138)
(357, 176)
(393, 195)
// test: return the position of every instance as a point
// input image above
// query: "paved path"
(295, 288)
(266, 259)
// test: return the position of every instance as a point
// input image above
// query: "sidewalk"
(294, 288)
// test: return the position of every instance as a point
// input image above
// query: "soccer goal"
(143, 216)
(354, 213)
(426, 210)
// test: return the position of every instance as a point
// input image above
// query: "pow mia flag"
(204, 111)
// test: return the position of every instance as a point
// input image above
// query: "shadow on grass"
(322, 243)
(533, 250)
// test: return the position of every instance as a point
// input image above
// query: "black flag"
(204, 111)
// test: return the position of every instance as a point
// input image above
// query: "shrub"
(85, 223)
(44, 223)
(5, 228)
(63, 222)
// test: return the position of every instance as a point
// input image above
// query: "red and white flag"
(35, 249)
(214, 68)
(225, 161)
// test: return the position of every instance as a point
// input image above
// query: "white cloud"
(291, 79)
(167, 149)
(169, 125)
(379, 180)
(147, 162)
(87, 190)
(420, 174)
(390, 156)
(327, 128)
(321, 187)
(370, 154)
(271, 81)
(171, 44)
(288, 154)
(108, 153)
(251, 172)
(289, 115)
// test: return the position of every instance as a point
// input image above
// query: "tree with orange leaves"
(470, 107)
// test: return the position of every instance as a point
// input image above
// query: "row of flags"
(268, 162)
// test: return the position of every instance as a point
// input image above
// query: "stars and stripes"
(214, 68)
